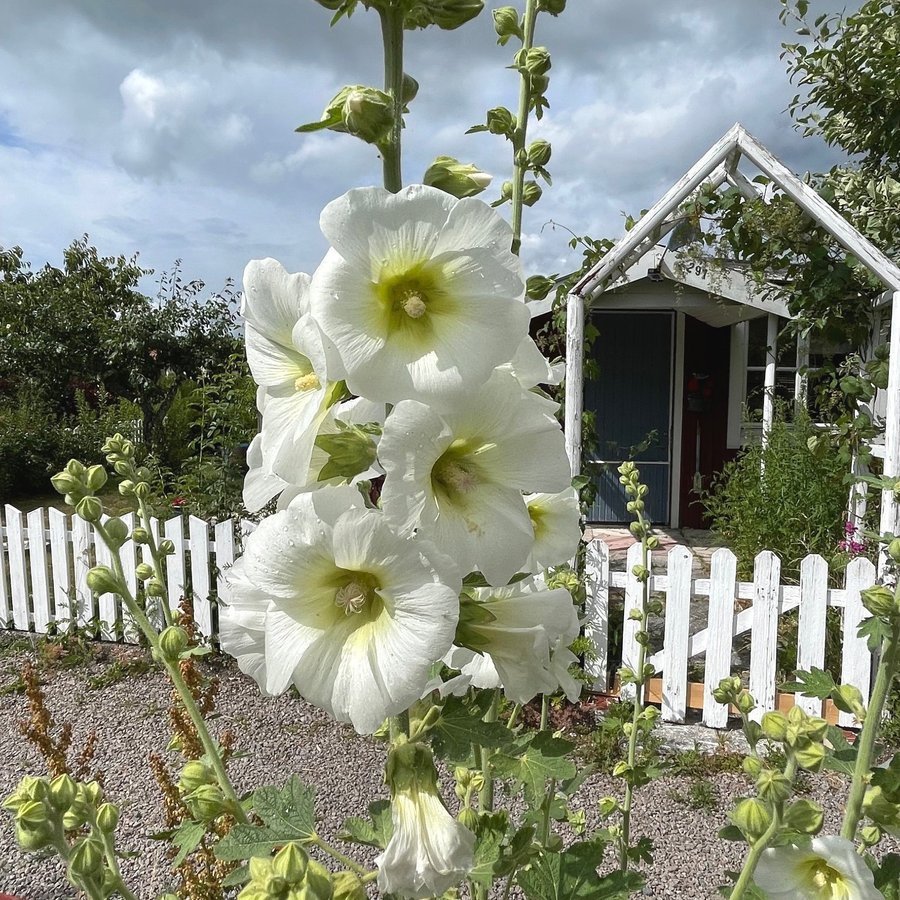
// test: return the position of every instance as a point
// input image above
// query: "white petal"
(273, 300)
(529, 366)
(557, 528)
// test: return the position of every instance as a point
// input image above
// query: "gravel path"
(282, 736)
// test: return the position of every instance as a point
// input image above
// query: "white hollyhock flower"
(829, 869)
(530, 367)
(458, 477)
(420, 294)
(513, 638)
(429, 851)
(556, 520)
(341, 606)
(287, 360)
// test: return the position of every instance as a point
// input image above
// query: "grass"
(701, 795)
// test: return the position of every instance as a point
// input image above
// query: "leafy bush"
(783, 498)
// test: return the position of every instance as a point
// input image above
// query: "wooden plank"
(82, 538)
(37, 562)
(630, 627)
(128, 555)
(856, 661)
(676, 634)
(5, 604)
(18, 579)
(890, 509)
(61, 559)
(176, 580)
(574, 399)
(722, 579)
(107, 602)
(596, 626)
(764, 640)
(200, 582)
(224, 535)
(769, 378)
(811, 625)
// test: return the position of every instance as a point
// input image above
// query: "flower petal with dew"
(829, 869)
(420, 294)
(458, 477)
(429, 852)
(351, 613)
(509, 636)
(530, 367)
(556, 520)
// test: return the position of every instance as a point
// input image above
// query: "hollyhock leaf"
(572, 875)
(187, 838)
(373, 832)
(460, 726)
(488, 847)
(545, 757)
(288, 814)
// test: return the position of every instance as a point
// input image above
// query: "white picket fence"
(45, 557)
(769, 599)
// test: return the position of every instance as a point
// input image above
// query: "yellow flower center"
(828, 880)
(308, 382)
(538, 516)
(355, 592)
(456, 473)
(413, 303)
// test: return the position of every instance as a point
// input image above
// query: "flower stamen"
(413, 303)
(308, 382)
(455, 476)
(351, 597)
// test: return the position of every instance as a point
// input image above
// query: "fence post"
(5, 608)
(176, 583)
(596, 625)
(720, 634)
(764, 640)
(198, 530)
(81, 551)
(18, 580)
(224, 535)
(107, 603)
(856, 661)
(677, 634)
(128, 555)
(811, 625)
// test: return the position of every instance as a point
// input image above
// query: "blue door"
(631, 399)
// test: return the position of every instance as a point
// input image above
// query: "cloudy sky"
(166, 127)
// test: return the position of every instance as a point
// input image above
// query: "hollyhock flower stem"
(174, 672)
(745, 879)
(333, 852)
(521, 133)
(392, 37)
(486, 794)
(887, 669)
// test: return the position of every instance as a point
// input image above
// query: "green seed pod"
(95, 478)
(89, 508)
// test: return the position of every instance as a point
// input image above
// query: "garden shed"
(683, 350)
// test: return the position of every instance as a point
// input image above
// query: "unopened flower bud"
(35, 838)
(531, 193)
(173, 642)
(752, 818)
(745, 703)
(773, 786)
(410, 89)
(206, 802)
(446, 14)
(123, 467)
(469, 818)
(32, 814)
(501, 121)
(154, 588)
(107, 818)
(810, 756)
(140, 535)
(506, 24)
(879, 601)
(347, 886)
(166, 547)
(116, 532)
(62, 791)
(774, 725)
(554, 7)
(893, 549)
(368, 114)
(455, 178)
(76, 469)
(95, 478)
(142, 490)
(195, 774)
(90, 509)
(64, 483)
(804, 816)
(143, 571)
(535, 61)
(126, 487)
(101, 580)
(86, 858)
(539, 153)
(752, 765)
(291, 863)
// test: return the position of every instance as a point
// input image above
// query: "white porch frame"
(719, 165)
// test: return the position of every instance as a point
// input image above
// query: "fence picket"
(633, 597)
(107, 602)
(176, 582)
(764, 642)
(81, 552)
(856, 661)
(224, 535)
(18, 579)
(130, 631)
(720, 627)
(676, 635)
(37, 564)
(5, 607)
(61, 562)
(811, 626)
(199, 535)
(596, 626)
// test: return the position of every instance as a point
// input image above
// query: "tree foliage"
(88, 326)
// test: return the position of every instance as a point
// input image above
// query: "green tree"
(87, 325)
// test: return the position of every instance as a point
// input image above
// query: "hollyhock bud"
(90, 509)
(456, 178)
